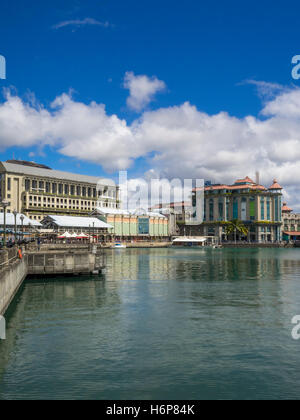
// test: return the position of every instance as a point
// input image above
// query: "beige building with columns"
(37, 191)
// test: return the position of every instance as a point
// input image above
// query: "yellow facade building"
(37, 191)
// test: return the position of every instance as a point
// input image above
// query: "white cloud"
(179, 141)
(142, 90)
(81, 22)
(265, 90)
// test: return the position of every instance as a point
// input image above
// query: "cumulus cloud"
(81, 22)
(178, 141)
(142, 89)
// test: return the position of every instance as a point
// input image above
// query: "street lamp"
(4, 204)
(15, 213)
(22, 221)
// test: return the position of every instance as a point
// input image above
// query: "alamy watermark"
(2, 328)
(2, 67)
(296, 68)
(296, 329)
(144, 195)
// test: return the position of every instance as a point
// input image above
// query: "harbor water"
(161, 324)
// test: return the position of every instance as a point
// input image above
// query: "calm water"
(163, 324)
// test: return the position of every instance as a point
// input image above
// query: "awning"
(189, 240)
(65, 235)
(82, 236)
(292, 233)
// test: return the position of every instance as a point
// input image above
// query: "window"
(252, 208)
(227, 208)
(47, 187)
(60, 188)
(66, 189)
(72, 189)
(262, 208)
(235, 213)
(221, 209)
(78, 191)
(27, 184)
(84, 191)
(34, 184)
(54, 188)
(211, 209)
(268, 209)
(244, 209)
(41, 185)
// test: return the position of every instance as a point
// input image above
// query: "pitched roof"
(275, 186)
(10, 220)
(286, 208)
(247, 179)
(138, 212)
(50, 173)
(77, 222)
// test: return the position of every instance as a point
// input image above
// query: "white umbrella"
(65, 235)
(83, 235)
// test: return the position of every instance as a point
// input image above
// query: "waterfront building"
(77, 225)
(183, 210)
(257, 206)
(178, 213)
(291, 224)
(37, 190)
(20, 221)
(134, 225)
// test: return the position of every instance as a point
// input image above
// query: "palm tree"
(236, 226)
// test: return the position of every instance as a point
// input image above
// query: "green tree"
(236, 226)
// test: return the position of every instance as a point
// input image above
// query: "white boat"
(118, 246)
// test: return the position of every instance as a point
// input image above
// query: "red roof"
(242, 184)
(247, 179)
(275, 186)
(286, 208)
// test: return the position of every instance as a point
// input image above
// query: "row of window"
(67, 189)
(265, 209)
(47, 201)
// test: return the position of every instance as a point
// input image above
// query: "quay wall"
(14, 270)
(12, 276)
(60, 263)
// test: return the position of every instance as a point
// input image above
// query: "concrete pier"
(61, 262)
(14, 270)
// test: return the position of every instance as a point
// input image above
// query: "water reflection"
(163, 323)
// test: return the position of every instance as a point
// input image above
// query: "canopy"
(189, 240)
(82, 236)
(65, 235)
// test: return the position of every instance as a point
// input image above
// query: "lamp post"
(15, 213)
(4, 204)
(22, 221)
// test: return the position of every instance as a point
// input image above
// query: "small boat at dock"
(118, 245)
(194, 241)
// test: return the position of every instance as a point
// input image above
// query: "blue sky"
(201, 51)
